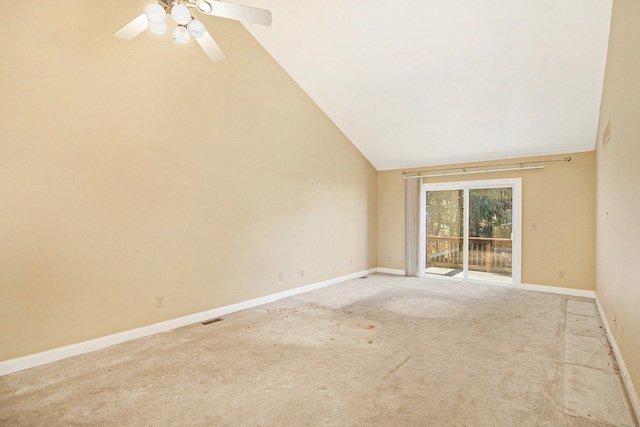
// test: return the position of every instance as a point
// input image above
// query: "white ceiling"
(418, 83)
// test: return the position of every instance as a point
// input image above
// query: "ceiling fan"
(189, 26)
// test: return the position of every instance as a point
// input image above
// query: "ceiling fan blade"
(133, 28)
(210, 47)
(240, 13)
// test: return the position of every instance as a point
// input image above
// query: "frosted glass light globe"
(181, 35)
(180, 13)
(155, 13)
(196, 28)
(158, 29)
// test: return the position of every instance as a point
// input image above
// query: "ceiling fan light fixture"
(196, 28)
(204, 6)
(180, 13)
(158, 29)
(155, 13)
(181, 35)
(155, 16)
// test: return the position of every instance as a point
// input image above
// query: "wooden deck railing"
(492, 255)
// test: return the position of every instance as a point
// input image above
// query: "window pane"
(445, 232)
(490, 232)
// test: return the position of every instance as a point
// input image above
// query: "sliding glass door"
(472, 230)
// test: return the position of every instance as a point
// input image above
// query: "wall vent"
(606, 135)
(210, 321)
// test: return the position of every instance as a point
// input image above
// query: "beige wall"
(618, 186)
(559, 199)
(131, 170)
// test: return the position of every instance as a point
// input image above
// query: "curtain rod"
(464, 168)
(471, 172)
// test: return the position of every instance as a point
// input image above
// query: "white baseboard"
(556, 290)
(390, 271)
(624, 372)
(37, 359)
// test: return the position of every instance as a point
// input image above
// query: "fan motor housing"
(202, 5)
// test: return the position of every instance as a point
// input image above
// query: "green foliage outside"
(445, 214)
(490, 213)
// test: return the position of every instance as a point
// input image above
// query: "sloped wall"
(133, 170)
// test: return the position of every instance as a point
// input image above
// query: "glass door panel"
(445, 232)
(490, 234)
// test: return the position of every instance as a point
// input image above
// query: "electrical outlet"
(301, 273)
(281, 277)
(159, 302)
(533, 227)
(561, 274)
(350, 262)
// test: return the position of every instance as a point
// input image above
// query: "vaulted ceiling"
(418, 83)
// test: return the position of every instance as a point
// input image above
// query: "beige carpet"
(383, 350)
